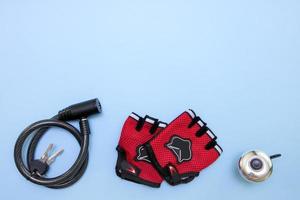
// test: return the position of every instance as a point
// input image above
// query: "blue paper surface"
(236, 63)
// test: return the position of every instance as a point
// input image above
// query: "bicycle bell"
(256, 165)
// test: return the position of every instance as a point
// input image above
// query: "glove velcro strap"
(129, 172)
(175, 178)
(169, 172)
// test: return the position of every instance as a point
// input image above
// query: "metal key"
(41, 166)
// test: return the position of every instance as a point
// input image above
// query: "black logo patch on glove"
(142, 154)
(181, 148)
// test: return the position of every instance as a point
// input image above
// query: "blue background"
(236, 63)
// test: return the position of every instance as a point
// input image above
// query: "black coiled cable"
(78, 111)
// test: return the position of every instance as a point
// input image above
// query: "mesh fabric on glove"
(133, 163)
(182, 149)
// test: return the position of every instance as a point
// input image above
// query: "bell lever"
(275, 156)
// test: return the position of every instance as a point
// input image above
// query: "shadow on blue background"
(236, 63)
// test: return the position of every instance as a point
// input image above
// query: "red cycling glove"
(181, 150)
(133, 163)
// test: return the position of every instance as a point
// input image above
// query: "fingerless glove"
(182, 149)
(133, 163)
